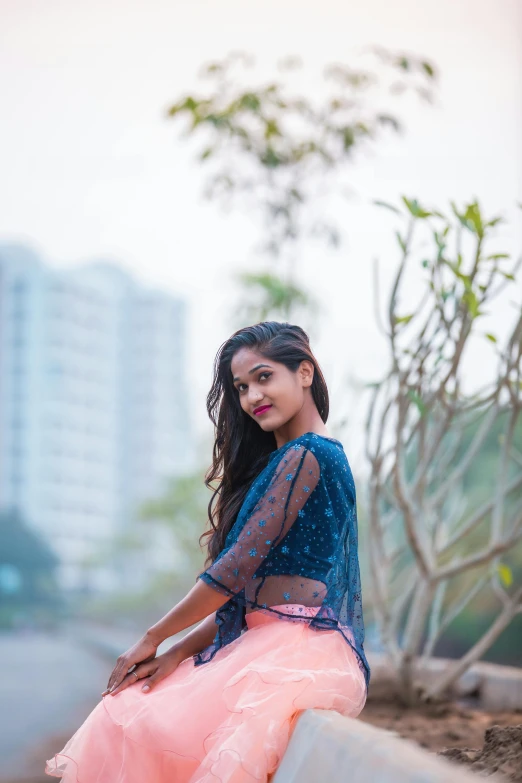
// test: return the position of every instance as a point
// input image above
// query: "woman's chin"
(267, 425)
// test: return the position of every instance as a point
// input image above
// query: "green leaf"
(387, 206)
(456, 271)
(415, 209)
(505, 574)
(404, 319)
(417, 400)
(401, 241)
(470, 300)
(491, 337)
(348, 137)
(474, 219)
(387, 119)
(457, 213)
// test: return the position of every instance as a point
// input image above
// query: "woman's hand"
(141, 652)
(153, 671)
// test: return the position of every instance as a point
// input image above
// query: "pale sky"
(90, 168)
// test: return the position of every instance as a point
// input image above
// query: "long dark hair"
(241, 448)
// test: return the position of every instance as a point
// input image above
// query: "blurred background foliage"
(28, 590)
(284, 157)
(478, 483)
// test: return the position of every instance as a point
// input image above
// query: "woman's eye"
(263, 374)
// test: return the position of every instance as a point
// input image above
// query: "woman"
(280, 601)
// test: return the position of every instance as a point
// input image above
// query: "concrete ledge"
(325, 746)
(500, 687)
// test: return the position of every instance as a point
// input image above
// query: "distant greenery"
(28, 586)
(183, 510)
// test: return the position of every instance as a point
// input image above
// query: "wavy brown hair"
(241, 448)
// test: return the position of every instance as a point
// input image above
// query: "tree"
(424, 434)
(29, 561)
(281, 152)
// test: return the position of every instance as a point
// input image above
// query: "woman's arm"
(158, 667)
(199, 602)
(196, 640)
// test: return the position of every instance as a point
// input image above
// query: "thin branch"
(477, 518)
(479, 558)
(476, 652)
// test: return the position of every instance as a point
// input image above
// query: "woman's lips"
(259, 411)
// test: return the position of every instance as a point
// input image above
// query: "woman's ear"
(306, 371)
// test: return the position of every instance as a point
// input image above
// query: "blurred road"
(48, 685)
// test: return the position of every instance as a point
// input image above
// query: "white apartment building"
(93, 404)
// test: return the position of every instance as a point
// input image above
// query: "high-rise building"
(93, 405)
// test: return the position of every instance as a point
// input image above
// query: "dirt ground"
(464, 732)
(485, 742)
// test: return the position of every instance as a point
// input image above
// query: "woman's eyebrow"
(252, 370)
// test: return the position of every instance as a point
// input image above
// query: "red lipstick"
(261, 409)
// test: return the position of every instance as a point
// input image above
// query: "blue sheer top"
(294, 541)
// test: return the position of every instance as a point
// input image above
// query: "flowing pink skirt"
(225, 721)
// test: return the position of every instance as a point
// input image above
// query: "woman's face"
(268, 391)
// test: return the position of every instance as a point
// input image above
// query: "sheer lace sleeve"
(293, 480)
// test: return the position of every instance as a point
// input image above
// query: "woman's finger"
(114, 672)
(114, 675)
(120, 671)
(163, 668)
(123, 666)
(120, 675)
(133, 677)
(128, 680)
(144, 650)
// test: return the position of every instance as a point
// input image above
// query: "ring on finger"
(137, 678)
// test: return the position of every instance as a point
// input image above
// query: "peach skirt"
(225, 721)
